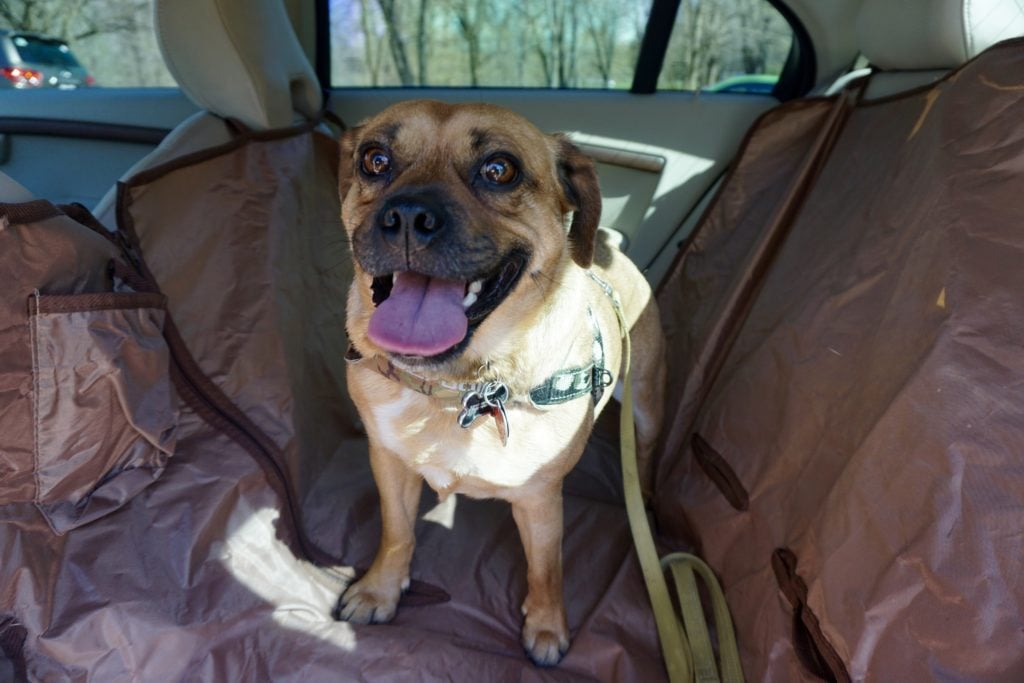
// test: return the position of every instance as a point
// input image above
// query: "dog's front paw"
(368, 602)
(545, 643)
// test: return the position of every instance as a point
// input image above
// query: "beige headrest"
(238, 59)
(934, 34)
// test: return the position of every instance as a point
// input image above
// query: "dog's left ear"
(582, 196)
(346, 164)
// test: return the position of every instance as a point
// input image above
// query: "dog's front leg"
(374, 598)
(539, 518)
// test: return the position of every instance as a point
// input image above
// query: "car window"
(552, 44)
(737, 46)
(89, 43)
(517, 43)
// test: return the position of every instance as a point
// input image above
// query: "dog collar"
(490, 397)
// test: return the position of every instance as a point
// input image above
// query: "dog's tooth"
(469, 300)
(476, 286)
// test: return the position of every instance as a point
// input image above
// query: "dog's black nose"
(415, 217)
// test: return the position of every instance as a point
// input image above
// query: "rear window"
(486, 43)
(40, 51)
(735, 46)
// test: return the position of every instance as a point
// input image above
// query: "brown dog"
(484, 340)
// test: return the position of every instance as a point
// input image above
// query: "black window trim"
(653, 46)
(800, 72)
(797, 77)
(322, 49)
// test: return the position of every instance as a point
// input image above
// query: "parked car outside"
(760, 84)
(30, 60)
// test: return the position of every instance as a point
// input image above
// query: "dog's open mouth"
(420, 315)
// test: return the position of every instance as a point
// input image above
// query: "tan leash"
(686, 644)
(693, 659)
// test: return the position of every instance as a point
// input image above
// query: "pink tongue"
(423, 316)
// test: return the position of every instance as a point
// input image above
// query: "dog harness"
(490, 397)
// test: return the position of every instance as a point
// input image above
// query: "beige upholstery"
(12, 192)
(887, 83)
(238, 59)
(909, 35)
(913, 43)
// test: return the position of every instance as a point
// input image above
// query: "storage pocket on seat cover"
(104, 410)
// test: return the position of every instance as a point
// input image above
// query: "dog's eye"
(376, 161)
(499, 170)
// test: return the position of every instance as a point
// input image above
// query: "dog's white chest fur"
(426, 436)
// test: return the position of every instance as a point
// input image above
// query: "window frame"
(797, 77)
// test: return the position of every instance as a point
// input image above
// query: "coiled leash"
(686, 644)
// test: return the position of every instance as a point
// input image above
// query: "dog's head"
(457, 219)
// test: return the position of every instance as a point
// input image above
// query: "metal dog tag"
(486, 399)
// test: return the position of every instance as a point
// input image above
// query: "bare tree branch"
(396, 40)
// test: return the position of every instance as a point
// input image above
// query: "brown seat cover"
(863, 423)
(204, 575)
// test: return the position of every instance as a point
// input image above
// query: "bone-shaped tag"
(486, 399)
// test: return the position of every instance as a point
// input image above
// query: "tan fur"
(540, 328)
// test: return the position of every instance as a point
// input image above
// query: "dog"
(484, 333)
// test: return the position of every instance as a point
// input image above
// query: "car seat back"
(241, 63)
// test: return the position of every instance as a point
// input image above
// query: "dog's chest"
(473, 461)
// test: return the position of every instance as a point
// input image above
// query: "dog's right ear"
(346, 162)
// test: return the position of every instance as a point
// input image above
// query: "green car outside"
(755, 84)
